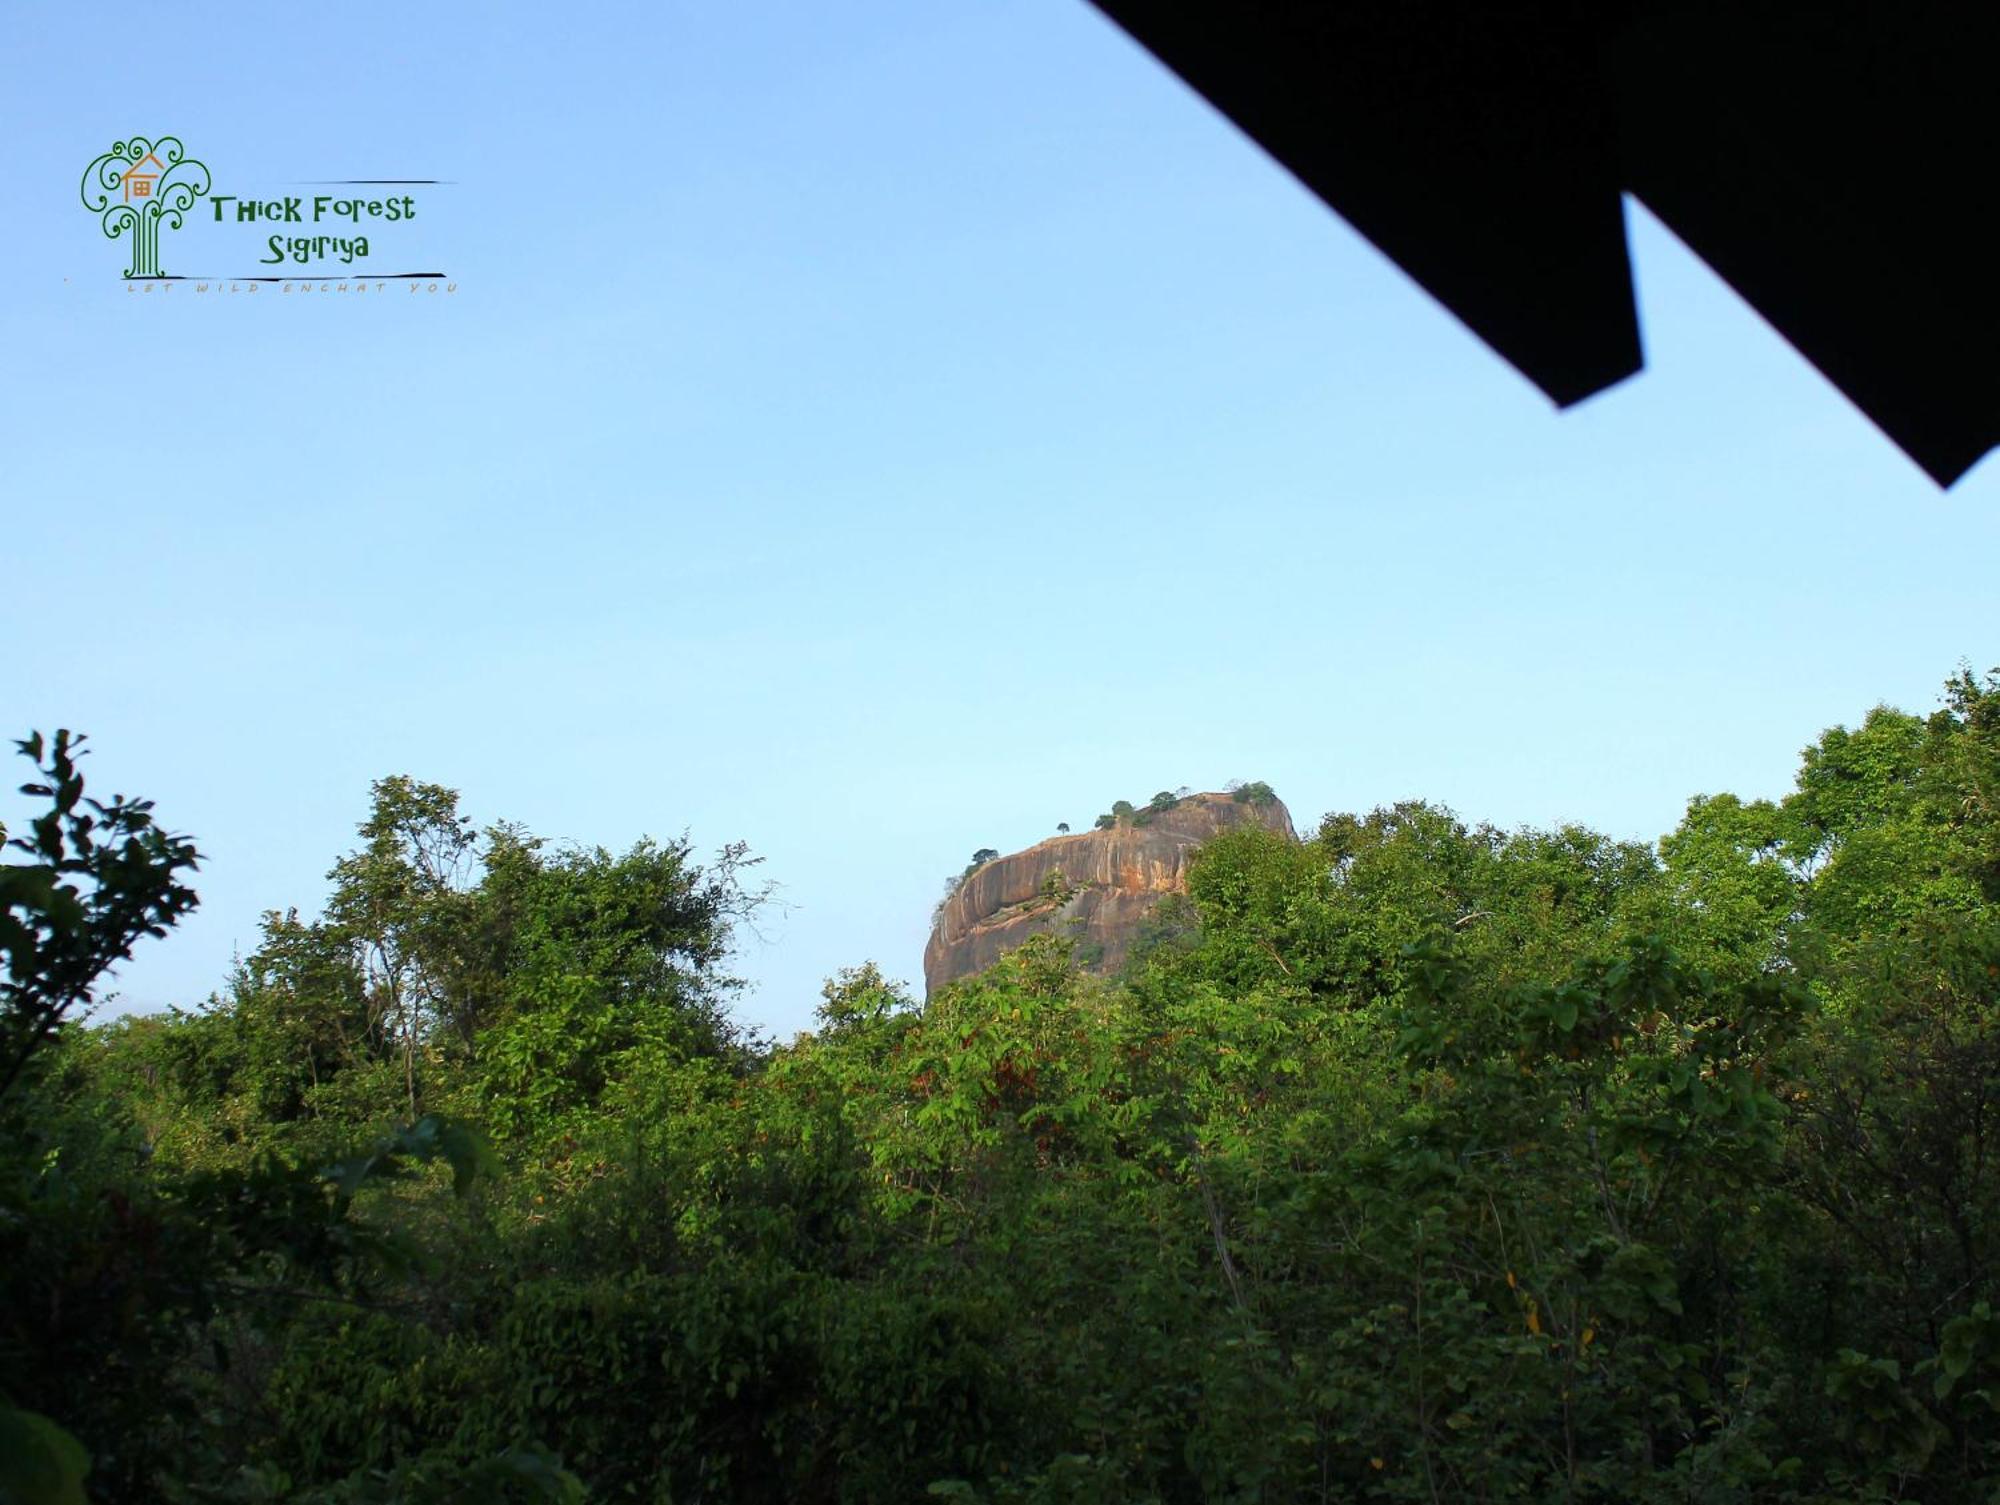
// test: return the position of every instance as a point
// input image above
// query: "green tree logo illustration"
(139, 185)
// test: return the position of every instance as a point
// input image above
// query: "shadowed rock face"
(1114, 879)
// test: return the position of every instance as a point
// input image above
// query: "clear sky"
(871, 431)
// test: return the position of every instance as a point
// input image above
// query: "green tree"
(400, 901)
(99, 876)
(1418, 1160)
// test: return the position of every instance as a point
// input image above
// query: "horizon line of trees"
(1417, 1160)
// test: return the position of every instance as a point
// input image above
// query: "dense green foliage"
(1413, 1161)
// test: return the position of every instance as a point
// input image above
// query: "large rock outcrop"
(1104, 885)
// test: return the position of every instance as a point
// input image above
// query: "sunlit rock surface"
(1112, 879)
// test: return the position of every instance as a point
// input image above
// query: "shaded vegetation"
(1417, 1160)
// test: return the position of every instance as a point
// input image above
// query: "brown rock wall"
(1115, 878)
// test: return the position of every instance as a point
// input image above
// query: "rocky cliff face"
(1109, 882)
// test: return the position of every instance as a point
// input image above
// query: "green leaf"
(40, 1463)
(467, 1152)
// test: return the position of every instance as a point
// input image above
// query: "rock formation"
(1095, 887)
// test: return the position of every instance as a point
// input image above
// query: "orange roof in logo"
(139, 184)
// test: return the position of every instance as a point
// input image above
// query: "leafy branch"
(100, 876)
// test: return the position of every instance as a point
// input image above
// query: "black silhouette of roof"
(1834, 161)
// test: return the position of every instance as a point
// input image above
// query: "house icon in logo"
(137, 182)
(140, 187)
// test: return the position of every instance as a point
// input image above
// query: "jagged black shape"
(1832, 160)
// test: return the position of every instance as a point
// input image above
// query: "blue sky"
(872, 432)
